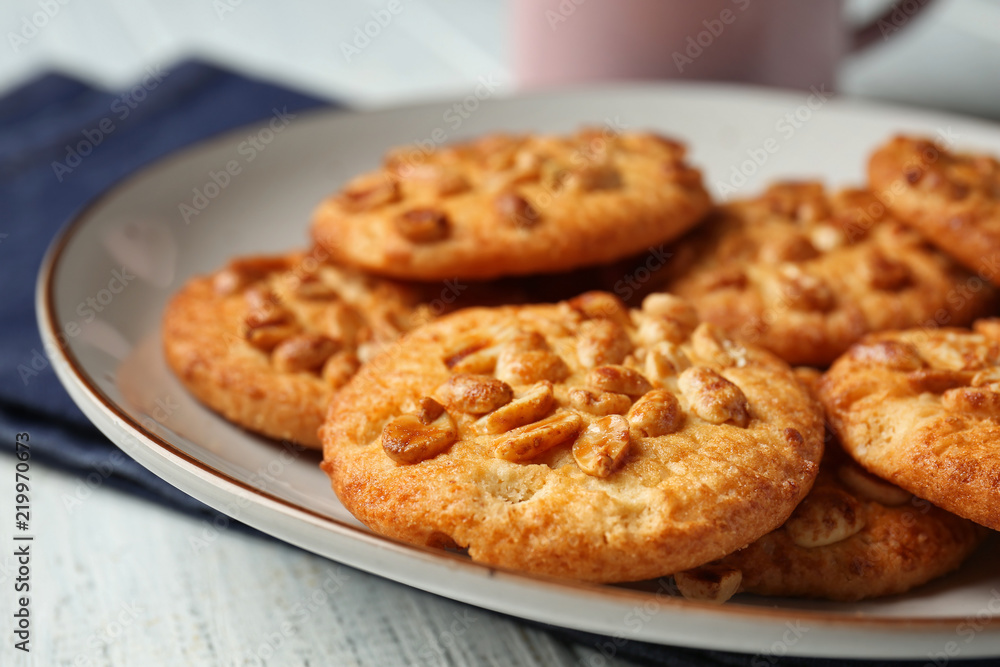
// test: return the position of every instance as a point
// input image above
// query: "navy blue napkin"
(62, 143)
(42, 186)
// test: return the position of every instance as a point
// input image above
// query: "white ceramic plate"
(245, 199)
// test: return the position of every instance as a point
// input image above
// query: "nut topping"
(515, 210)
(601, 306)
(978, 401)
(665, 360)
(340, 368)
(368, 192)
(618, 380)
(709, 583)
(304, 352)
(527, 442)
(938, 380)
(311, 287)
(714, 398)
(655, 414)
(531, 406)
(475, 394)
(422, 225)
(673, 310)
(599, 403)
(525, 367)
(240, 273)
(413, 438)
(603, 446)
(826, 516)
(871, 487)
(887, 274)
(892, 354)
(594, 177)
(602, 342)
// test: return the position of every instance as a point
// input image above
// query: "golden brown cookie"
(953, 198)
(855, 536)
(921, 408)
(805, 273)
(266, 340)
(513, 205)
(578, 440)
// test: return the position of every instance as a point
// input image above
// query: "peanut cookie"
(921, 408)
(267, 340)
(953, 198)
(578, 440)
(513, 205)
(854, 536)
(806, 274)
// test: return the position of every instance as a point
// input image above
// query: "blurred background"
(363, 53)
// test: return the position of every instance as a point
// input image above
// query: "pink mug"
(788, 43)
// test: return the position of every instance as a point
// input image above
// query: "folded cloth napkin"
(42, 124)
(62, 143)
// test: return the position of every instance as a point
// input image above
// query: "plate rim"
(71, 372)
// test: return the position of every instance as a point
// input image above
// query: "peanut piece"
(709, 583)
(311, 287)
(475, 394)
(422, 225)
(515, 210)
(665, 360)
(601, 306)
(602, 342)
(603, 446)
(714, 398)
(678, 312)
(655, 414)
(531, 406)
(938, 381)
(412, 438)
(368, 192)
(525, 367)
(871, 487)
(825, 517)
(892, 354)
(594, 177)
(979, 401)
(618, 380)
(803, 291)
(710, 343)
(527, 442)
(887, 274)
(304, 352)
(340, 368)
(599, 403)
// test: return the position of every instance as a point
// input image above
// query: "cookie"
(578, 440)
(805, 273)
(266, 340)
(953, 198)
(513, 205)
(854, 537)
(921, 408)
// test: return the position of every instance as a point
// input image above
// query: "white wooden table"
(115, 578)
(120, 581)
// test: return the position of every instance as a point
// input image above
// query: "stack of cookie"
(594, 412)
